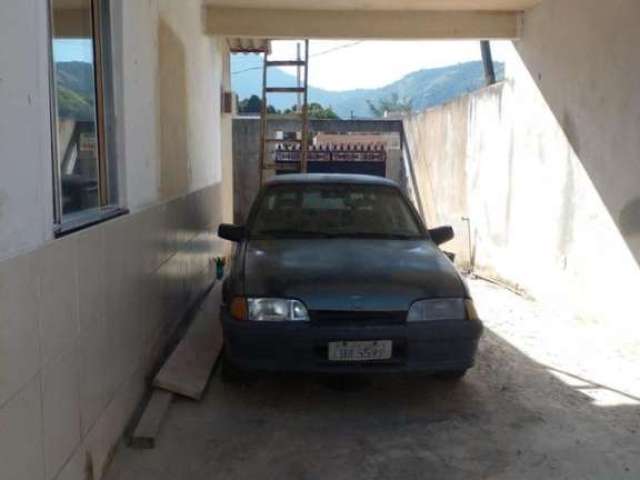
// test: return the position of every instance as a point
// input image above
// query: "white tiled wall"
(21, 453)
(81, 321)
(61, 409)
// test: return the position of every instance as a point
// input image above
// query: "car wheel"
(451, 374)
(230, 373)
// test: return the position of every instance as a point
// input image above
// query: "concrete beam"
(346, 24)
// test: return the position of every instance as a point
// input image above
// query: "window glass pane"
(75, 86)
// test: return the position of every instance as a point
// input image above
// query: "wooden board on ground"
(188, 369)
(144, 436)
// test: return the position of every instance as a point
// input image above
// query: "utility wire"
(339, 47)
(324, 52)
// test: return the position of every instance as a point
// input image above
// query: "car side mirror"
(451, 256)
(234, 233)
(441, 235)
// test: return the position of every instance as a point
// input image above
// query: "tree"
(253, 104)
(391, 104)
(316, 111)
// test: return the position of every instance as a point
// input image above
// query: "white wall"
(537, 219)
(82, 318)
(25, 144)
(171, 88)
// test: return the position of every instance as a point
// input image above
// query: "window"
(84, 179)
(334, 210)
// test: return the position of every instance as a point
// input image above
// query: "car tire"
(451, 375)
(232, 374)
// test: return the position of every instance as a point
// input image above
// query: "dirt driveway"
(534, 415)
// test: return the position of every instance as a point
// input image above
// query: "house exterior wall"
(26, 210)
(537, 219)
(83, 318)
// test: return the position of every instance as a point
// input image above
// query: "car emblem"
(356, 303)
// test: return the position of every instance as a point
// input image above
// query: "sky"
(73, 50)
(345, 65)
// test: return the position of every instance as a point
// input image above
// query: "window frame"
(107, 170)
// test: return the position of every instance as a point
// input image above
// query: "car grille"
(357, 317)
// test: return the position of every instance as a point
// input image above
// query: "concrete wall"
(83, 317)
(246, 162)
(500, 157)
(437, 140)
(583, 56)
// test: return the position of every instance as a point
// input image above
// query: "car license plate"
(360, 351)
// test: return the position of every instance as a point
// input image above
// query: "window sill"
(81, 220)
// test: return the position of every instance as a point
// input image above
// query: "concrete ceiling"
(70, 4)
(402, 5)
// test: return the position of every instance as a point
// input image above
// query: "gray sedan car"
(338, 274)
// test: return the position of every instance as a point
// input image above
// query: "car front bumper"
(429, 347)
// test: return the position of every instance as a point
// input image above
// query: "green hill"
(425, 88)
(75, 90)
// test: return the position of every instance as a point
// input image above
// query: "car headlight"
(441, 309)
(269, 310)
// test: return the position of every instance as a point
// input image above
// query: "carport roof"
(249, 45)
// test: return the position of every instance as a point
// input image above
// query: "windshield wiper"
(384, 236)
(291, 233)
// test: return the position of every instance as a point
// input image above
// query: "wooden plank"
(188, 369)
(284, 89)
(359, 24)
(285, 63)
(144, 436)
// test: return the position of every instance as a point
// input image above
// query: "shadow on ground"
(511, 417)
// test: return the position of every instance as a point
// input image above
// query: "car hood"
(350, 274)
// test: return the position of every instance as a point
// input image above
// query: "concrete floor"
(511, 417)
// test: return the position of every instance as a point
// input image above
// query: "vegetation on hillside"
(74, 86)
(391, 105)
(253, 104)
(316, 111)
(73, 105)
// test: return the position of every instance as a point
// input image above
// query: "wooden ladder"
(267, 144)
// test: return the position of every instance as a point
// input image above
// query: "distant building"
(390, 141)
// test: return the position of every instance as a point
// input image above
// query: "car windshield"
(332, 211)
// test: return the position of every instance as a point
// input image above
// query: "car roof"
(302, 178)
